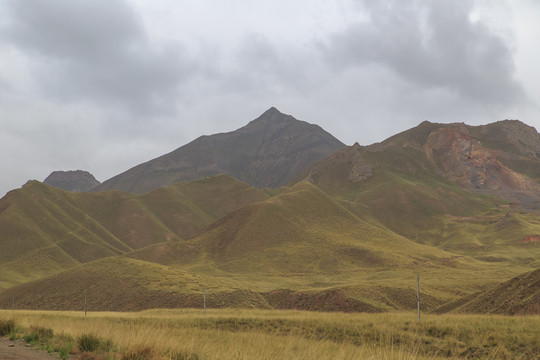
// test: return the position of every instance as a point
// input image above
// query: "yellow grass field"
(270, 334)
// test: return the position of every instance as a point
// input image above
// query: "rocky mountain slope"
(501, 159)
(268, 152)
(73, 180)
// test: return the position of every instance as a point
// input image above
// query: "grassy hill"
(44, 229)
(397, 187)
(517, 296)
(300, 249)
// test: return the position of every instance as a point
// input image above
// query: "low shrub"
(64, 345)
(7, 327)
(32, 338)
(43, 333)
(89, 342)
(38, 334)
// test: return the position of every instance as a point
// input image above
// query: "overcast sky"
(103, 85)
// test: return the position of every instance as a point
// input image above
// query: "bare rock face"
(464, 160)
(73, 180)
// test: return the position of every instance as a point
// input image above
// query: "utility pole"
(418, 294)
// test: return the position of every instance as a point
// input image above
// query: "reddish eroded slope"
(501, 159)
(531, 239)
(462, 159)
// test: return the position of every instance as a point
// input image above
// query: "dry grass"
(259, 334)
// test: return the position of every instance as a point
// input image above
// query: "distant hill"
(73, 180)
(268, 152)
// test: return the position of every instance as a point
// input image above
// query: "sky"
(104, 85)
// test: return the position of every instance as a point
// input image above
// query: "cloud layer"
(97, 50)
(431, 45)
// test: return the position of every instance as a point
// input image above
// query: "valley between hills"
(281, 215)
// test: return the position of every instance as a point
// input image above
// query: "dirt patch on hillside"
(531, 239)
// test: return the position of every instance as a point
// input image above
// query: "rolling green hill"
(517, 296)
(44, 229)
(300, 249)
(397, 187)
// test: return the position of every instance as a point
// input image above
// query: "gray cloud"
(432, 44)
(97, 50)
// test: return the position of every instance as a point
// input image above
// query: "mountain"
(450, 202)
(500, 159)
(73, 180)
(415, 181)
(268, 152)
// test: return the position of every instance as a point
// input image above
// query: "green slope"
(517, 296)
(299, 249)
(397, 187)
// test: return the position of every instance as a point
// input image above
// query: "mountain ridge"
(268, 152)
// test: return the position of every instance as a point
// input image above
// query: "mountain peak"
(272, 110)
(72, 180)
(269, 151)
(272, 115)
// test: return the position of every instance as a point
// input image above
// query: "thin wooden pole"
(204, 300)
(418, 294)
(13, 307)
(85, 307)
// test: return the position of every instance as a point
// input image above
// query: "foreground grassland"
(262, 334)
